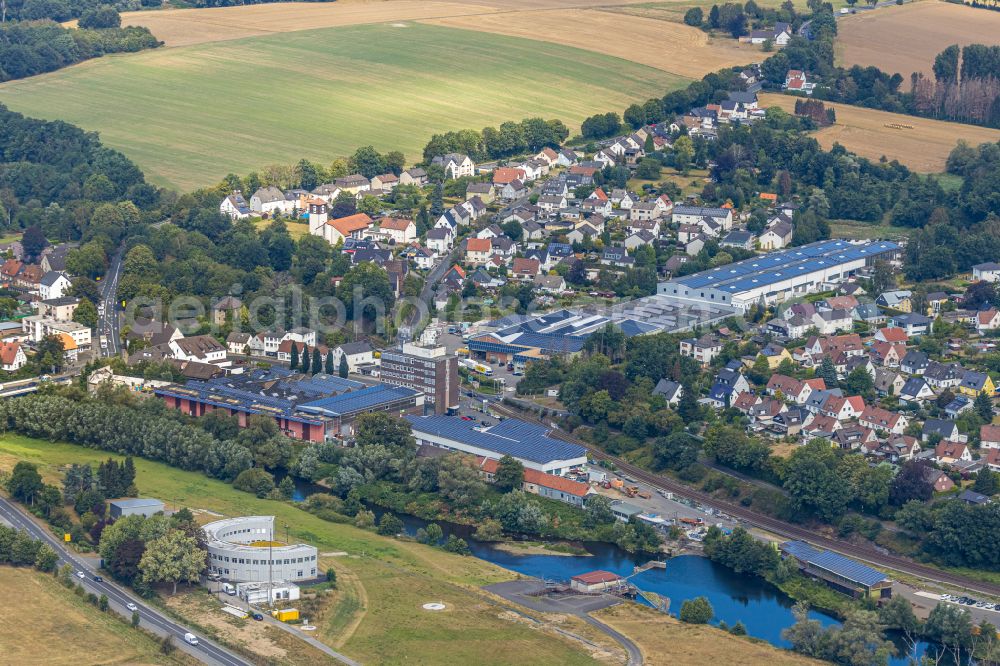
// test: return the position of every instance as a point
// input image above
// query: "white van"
(229, 589)
(190, 638)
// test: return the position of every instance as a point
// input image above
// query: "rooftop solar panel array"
(366, 398)
(834, 563)
(778, 266)
(510, 437)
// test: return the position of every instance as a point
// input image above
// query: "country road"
(151, 619)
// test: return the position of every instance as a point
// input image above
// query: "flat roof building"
(781, 275)
(134, 506)
(244, 550)
(430, 370)
(528, 443)
(313, 408)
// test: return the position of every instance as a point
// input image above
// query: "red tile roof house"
(938, 479)
(880, 419)
(989, 437)
(525, 269)
(542, 484)
(596, 581)
(892, 334)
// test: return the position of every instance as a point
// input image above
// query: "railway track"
(774, 525)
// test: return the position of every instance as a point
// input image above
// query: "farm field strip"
(679, 49)
(920, 143)
(188, 116)
(906, 39)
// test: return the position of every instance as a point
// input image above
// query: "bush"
(694, 17)
(102, 603)
(389, 525)
(697, 611)
(255, 480)
(456, 545)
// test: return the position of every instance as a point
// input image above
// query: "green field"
(188, 116)
(394, 578)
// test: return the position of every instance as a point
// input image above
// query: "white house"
(53, 285)
(235, 206)
(456, 165)
(12, 356)
(400, 230)
(200, 348)
(356, 353)
(440, 240)
(269, 200)
(988, 272)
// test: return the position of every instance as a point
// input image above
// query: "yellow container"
(286, 614)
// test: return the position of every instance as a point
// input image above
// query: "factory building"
(530, 444)
(779, 276)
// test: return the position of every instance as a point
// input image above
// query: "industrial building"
(841, 573)
(313, 408)
(244, 550)
(522, 339)
(779, 276)
(528, 443)
(134, 506)
(267, 593)
(430, 370)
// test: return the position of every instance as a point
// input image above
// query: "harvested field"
(675, 48)
(919, 143)
(906, 39)
(188, 116)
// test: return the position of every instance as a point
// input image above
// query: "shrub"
(697, 611)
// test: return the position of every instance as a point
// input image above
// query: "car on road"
(81, 575)
(131, 606)
(190, 639)
(257, 616)
(98, 579)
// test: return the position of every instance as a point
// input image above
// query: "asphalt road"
(108, 324)
(150, 619)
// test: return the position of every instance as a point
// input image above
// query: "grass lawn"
(691, 183)
(857, 230)
(388, 579)
(295, 229)
(53, 624)
(190, 115)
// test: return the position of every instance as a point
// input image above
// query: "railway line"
(773, 525)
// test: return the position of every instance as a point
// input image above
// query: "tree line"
(30, 48)
(510, 138)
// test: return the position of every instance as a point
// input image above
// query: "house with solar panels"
(530, 444)
(312, 408)
(779, 276)
(841, 573)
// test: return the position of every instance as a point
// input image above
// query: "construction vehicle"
(692, 521)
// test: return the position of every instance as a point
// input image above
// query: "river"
(762, 608)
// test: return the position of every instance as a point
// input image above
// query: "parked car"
(257, 616)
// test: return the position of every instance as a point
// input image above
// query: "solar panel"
(510, 437)
(834, 563)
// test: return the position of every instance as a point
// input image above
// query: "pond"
(762, 608)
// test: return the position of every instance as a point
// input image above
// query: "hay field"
(906, 39)
(188, 116)
(46, 623)
(919, 143)
(675, 48)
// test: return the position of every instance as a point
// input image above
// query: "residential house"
(226, 308)
(897, 300)
(741, 239)
(12, 356)
(236, 343)
(357, 354)
(552, 284)
(485, 191)
(789, 388)
(696, 214)
(270, 200)
(478, 251)
(200, 348)
(340, 229)
(235, 206)
(892, 334)
(525, 269)
(439, 240)
(414, 176)
(355, 183)
(53, 285)
(513, 190)
(916, 389)
(797, 81)
(506, 175)
(888, 382)
(943, 375)
(939, 428)
(989, 436)
(987, 320)
(774, 354)
(914, 362)
(877, 418)
(887, 354)
(938, 479)
(455, 165)
(398, 230)
(974, 383)
(670, 390)
(988, 272)
(948, 452)
(702, 349)
(776, 236)
(912, 323)
(779, 35)
(638, 239)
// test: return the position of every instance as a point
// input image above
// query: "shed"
(597, 581)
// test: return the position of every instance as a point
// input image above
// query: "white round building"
(243, 550)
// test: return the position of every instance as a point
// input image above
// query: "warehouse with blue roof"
(528, 443)
(839, 572)
(779, 276)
